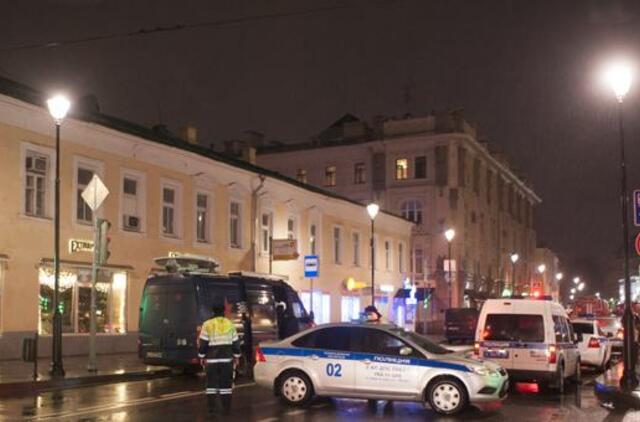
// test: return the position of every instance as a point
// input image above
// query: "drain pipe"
(254, 220)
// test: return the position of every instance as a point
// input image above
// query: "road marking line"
(295, 412)
(130, 403)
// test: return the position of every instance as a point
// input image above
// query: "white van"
(532, 339)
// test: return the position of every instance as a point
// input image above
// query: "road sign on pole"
(637, 243)
(636, 208)
(311, 264)
(94, 195)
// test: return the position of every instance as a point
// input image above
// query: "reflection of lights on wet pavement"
(527, 387)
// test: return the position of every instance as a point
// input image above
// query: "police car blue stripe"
(525, 345)
(432, 363)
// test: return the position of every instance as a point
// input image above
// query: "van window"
(263, 311)
(296, 305)
(181, 305)
(514, 327)
(561, 329)
(152, 310)
(229, 293)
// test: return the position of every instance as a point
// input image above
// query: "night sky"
(526, 73)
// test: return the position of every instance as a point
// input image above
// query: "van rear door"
(497, 338)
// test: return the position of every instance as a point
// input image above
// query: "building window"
(168, 211)
(476, 175)
(420, 167)
(355, 237)
(131, 204)
(402, 168)
(337, 245)
(442, 165)
(266, 227)
(418, 261)
(400, 257)
(462, 167)
(75, 300)
(330, 176)
(301, 176)
(202, 218)
(321, 306)
(349, 308)
(387, 255)
(412, 211)
(235, 225)
(292, 232)
(313, 239)
(83, 211)
(359, 176)
(36, 184)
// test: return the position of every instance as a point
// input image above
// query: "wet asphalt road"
(182, 399)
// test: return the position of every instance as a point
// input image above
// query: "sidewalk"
(609, 393)
(16, 377)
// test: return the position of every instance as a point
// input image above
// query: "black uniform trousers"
(219, 383)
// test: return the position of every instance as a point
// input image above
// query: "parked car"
(460, 324)
(593, 344)
(531, 338)
(174, 306)
(376, 362)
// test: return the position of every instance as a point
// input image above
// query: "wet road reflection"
(181, 399)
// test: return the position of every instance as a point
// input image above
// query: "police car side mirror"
(405, 351)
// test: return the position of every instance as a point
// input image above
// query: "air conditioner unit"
(131, 222)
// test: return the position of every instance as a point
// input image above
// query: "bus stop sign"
(311, 265)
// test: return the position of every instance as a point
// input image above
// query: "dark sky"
(526, 73)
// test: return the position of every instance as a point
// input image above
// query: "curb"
(28, 388)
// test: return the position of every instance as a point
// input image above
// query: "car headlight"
(480, 370)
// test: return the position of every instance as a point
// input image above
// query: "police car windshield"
(421, 341)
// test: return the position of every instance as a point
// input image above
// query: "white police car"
(375, 361)
(593, 345)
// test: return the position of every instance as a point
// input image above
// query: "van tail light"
(551, 353)
(594, 343)
(259, 355)
(476, 348)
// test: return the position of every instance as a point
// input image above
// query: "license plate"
(496, 354)
(154, 354)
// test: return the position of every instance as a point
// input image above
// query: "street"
(181, 398)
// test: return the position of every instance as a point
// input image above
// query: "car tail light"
(551, 353)
(476, 348)
(594, 343)
(259, 355)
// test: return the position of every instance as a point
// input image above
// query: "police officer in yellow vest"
(219, 349)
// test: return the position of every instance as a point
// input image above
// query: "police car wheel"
(447, 396)
(295, 388)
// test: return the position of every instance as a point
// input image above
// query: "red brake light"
(259, 355)
(553, 356)
(594, 343)
(476, 348)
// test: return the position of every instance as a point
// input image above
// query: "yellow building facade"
(166, 195)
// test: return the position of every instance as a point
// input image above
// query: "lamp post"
(58, 107)
(449, 234)
(618, 77)
(372, 210)
(514, 258)
(576, 280)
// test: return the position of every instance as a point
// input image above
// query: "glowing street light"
(542, 268)
(598, 295)
(559, 276)
(581, 287)
(449, 234)
(571, 297)
(573, 290)
(576, 280)
(618, 75)
(514, 258)
(372, 210)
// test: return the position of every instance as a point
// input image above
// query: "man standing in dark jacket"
(219, 348)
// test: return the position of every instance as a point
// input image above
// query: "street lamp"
(619, 76)
(372, 210)
(573, 290)
(576, 280)
(581, 287)
(449, 234)
(542, 268)
(58, 107)
(559, 276)
(598, 295)
(571, 297)
(514, 258)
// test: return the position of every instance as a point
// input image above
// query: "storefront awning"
(48, 262)
(420, 294)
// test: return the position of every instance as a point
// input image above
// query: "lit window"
(349, 308)
(387, 255)
(235, 225)
(168, 211)
(356, 248)
(35, 194)
(202, 217)
(265, 229)
(412, 211)
(83, 211)
(321, 306)
(131, 204)
(402, 168)
(359, 175)
(291, 228)
(313, 239)
(400, 257)
(337, 247)
(330, 176)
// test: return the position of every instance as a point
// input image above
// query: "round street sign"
(637, 243)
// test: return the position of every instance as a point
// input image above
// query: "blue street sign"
(311, 266)
(636, 208)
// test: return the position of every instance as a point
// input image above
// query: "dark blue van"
(174, 306)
